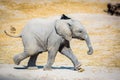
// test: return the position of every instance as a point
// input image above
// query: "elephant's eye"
(80, 31)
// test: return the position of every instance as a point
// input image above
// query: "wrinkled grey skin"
(52, 35)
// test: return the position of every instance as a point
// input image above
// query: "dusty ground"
(103, 29)
(13, 72)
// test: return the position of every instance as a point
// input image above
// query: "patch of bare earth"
(13, 72)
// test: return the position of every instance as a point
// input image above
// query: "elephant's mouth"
(81, 38)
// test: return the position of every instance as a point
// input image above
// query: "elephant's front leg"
(51, 58)
(32, 62)
(68, 53)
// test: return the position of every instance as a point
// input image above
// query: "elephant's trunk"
(87, 39)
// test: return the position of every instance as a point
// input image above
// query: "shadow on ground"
(41, 67)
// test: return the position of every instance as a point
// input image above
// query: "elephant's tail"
(12, 35)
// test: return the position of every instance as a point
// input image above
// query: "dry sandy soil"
(13, 72)
(103, 29)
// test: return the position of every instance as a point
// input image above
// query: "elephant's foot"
(81, 70)
(78, 68)
(16, 60)
(47, 68)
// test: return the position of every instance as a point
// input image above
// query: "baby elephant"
(52, 35)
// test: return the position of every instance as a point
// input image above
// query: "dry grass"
(106, 47)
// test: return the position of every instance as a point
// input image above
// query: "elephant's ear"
(63, 29)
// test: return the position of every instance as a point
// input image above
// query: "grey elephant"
(52, 35)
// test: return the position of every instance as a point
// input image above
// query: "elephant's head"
(69, 28)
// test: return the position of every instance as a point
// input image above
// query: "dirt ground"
(103, 29)
(13, 72)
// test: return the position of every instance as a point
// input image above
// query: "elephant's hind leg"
(19, 57)
(28, 51)
(32, 62)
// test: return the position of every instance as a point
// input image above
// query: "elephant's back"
(42, 21)
(39, 25)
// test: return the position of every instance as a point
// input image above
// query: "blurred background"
(103, 29)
